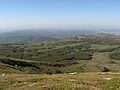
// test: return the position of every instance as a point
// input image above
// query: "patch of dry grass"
(81, 81)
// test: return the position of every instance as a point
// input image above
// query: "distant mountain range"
(28, 36)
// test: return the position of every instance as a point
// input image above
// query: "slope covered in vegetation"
(84, 53)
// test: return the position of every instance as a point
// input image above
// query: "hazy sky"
(22, 14)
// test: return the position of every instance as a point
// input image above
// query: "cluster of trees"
(115, 55)
(79, 52)
(48, 55)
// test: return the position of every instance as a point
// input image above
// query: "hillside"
(83, 53)
(94, 59)
(79, 81)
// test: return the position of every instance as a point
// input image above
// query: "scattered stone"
(118, 73)
(31, 84)
(72, 73)
(3, 75)
(95, 81)
(25, 82)
(72, 80)
(107, 78)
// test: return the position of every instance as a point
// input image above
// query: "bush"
(58, 72)
(49, 72)
(106, 69)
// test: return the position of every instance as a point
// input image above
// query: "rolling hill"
(81, 53)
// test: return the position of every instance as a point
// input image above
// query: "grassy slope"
(80, 81)
(98, 46)
(97, 63)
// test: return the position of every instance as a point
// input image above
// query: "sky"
(89, 14)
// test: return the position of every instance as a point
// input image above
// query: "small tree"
(106, 69)
(49, 72)
(58, 72)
